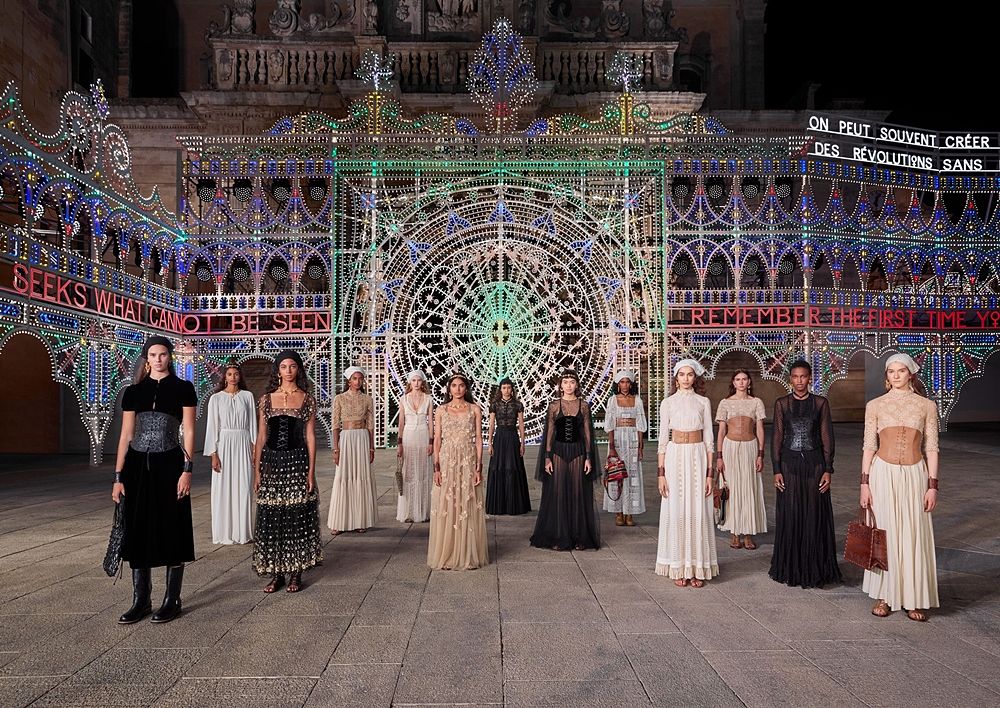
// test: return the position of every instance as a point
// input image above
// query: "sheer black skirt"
(805, 548)
(507, 484)
(567, 516)
(286, 535)
(158, 528)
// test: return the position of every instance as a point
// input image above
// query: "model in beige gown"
(458, 516)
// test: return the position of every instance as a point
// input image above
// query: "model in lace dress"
(415, 450)
(740, 461)
(899, 481)
(507, 483)
(625, 424)
(685, 549)
(458, 517)
(567, 515)
(353, 499)
(287, 529)
(805, 550)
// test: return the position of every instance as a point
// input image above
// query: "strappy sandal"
(696, 583)
(681, 582)
(735, 543)
(294, 583)
(882, 609)
(749, 544)
(277, 581)
(917, 615)
(360, 530)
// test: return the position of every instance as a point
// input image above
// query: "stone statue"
(454, 16)
(526, 16)
(656, 16)
(371, 17)
(236, 19)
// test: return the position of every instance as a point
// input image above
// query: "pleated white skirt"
(352, 504)
(898, 503)
(745, 512)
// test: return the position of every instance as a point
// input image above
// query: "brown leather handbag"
(866, 546)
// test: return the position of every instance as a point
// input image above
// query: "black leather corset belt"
(285, 432)
(799, 436)
(155, 432)
(567, 430)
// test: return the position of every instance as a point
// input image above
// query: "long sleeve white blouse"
(685, 410)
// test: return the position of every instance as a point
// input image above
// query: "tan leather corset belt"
(685, 437)
(740, 428)
(899, 445)
(625, 423)
(353, 425)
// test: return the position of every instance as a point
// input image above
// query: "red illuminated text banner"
(826, 317)
(46, 286)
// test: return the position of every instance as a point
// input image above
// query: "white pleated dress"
(686, 544)
(353, 499)
(231, 431)
(418, 467)
(745, 513)
(898, 502)
(632, 499)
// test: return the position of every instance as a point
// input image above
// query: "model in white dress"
(625, 423)
(416, 451)
(686, 544)
(230, 435)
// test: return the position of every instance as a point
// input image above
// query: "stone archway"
(32, 414)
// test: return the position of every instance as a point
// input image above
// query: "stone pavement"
(374, 627)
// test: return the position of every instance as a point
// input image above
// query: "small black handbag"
(113, 557)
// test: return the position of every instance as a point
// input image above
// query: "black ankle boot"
(171, 606)
(142, 586)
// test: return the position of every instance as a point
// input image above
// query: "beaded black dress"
(567, 518)
(805, 549)
(158, 529)
(287, 535)
(507, 484)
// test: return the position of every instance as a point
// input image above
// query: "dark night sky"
(934, 69)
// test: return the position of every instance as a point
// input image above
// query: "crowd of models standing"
(264, 483)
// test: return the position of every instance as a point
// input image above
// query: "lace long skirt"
(352, 502)
(898, 503)
(458, 520)
(287, 529)
(632, 499)
(418, 476)
(686, 541)
(507, 484)
(745, 513)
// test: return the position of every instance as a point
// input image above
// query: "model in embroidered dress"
(153, 479)
(625, 424)
(567, 515)
(507, 484)
(415, 450)
(458, 519)
(900, 484)
(353, 500)
(805, 551)
(740, 461)
(230, 436)
(287, 528)
(685, 548)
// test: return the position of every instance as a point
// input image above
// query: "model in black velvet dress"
(567, 469)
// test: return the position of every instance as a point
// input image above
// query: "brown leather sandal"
(681, 582)
(917, 615)
(696, 583)
(749, 544)
(881, 609)
(294, 583)
(277, 580)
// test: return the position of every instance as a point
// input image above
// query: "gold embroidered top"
(352, 407)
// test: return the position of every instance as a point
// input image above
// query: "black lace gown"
(158, 529)
(507, 484)
(286, 534)
(567, 516)
(805, 550)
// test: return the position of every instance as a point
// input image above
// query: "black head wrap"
(288, 354)
(155, 340)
